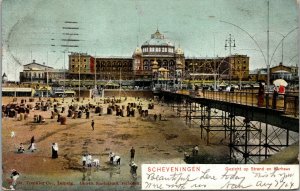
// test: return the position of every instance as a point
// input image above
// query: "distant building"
(258, 75)
(34, 73)
(37, 73)
(288, 73)
(157, 62)
(234, 67)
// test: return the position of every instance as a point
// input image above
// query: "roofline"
(114, 57)
(38, 64)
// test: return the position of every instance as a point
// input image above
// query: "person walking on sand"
(132, 153)
(111, 157)
(54, 150)
(89, 159)
(84, 160)
(195, 150)
(155, 117)
(31, 142)
(32, 147)
(92, 124)
(14, 176)
(133, 168)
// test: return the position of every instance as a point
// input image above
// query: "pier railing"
(288, 102)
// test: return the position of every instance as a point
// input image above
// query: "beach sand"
(154, 141)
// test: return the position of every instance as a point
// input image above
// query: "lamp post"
(47, 77)
(268, 51)
(193, 73)
(79, 65)
(95, 68)
(64, 89)
(246, 32)
(230, 42)
(281, 42)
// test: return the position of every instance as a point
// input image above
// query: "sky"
(33, 29)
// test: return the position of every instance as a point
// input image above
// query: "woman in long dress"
(261, 95)
(54, 150)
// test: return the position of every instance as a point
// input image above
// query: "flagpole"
(95, 68)
(79, 76)
(47, 76)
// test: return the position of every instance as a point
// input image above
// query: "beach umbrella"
(280, 82)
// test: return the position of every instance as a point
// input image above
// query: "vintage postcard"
(150, 95)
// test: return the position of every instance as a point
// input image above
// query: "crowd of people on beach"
(74, 111)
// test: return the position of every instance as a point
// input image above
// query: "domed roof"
(157, 39)
(138, 52)
(179, 51)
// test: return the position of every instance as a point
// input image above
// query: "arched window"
(145, 64)
(165, 64)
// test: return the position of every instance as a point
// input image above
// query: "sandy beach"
(157, 141)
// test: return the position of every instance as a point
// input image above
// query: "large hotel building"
(157, 61)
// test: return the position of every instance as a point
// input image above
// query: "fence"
(288, 102)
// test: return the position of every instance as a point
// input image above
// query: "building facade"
(35, 73)
(288, 73)
(156, 61)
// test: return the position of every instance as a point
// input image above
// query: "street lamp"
(230, 43)
(281, 42)
(267, 62)
(79, 65)
(47, 76)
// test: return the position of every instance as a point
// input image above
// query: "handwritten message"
(219, 176)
